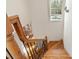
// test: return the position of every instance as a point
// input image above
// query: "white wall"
(68, 28)
(41, 24)
(19, 7)
(36, 12)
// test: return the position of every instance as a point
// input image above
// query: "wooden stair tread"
(56, 51)
(56, 44)
(56, 54)
(51, 43)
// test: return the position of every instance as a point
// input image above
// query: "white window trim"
(57, 15)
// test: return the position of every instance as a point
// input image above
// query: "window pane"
(55, 9)
(55, 6)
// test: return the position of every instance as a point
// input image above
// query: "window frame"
(53, 17)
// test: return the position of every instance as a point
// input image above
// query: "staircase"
(56, 44)
(56, 51)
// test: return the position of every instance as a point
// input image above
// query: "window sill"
(56, 20)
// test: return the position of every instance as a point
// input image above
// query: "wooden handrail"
(18, 28)
(32, 53)
(11, 43)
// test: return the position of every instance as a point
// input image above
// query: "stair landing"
(56, 54)
(56, 51)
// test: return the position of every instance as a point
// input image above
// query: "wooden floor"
(56, 51)
(55, 44)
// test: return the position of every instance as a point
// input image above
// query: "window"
(55, 9)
